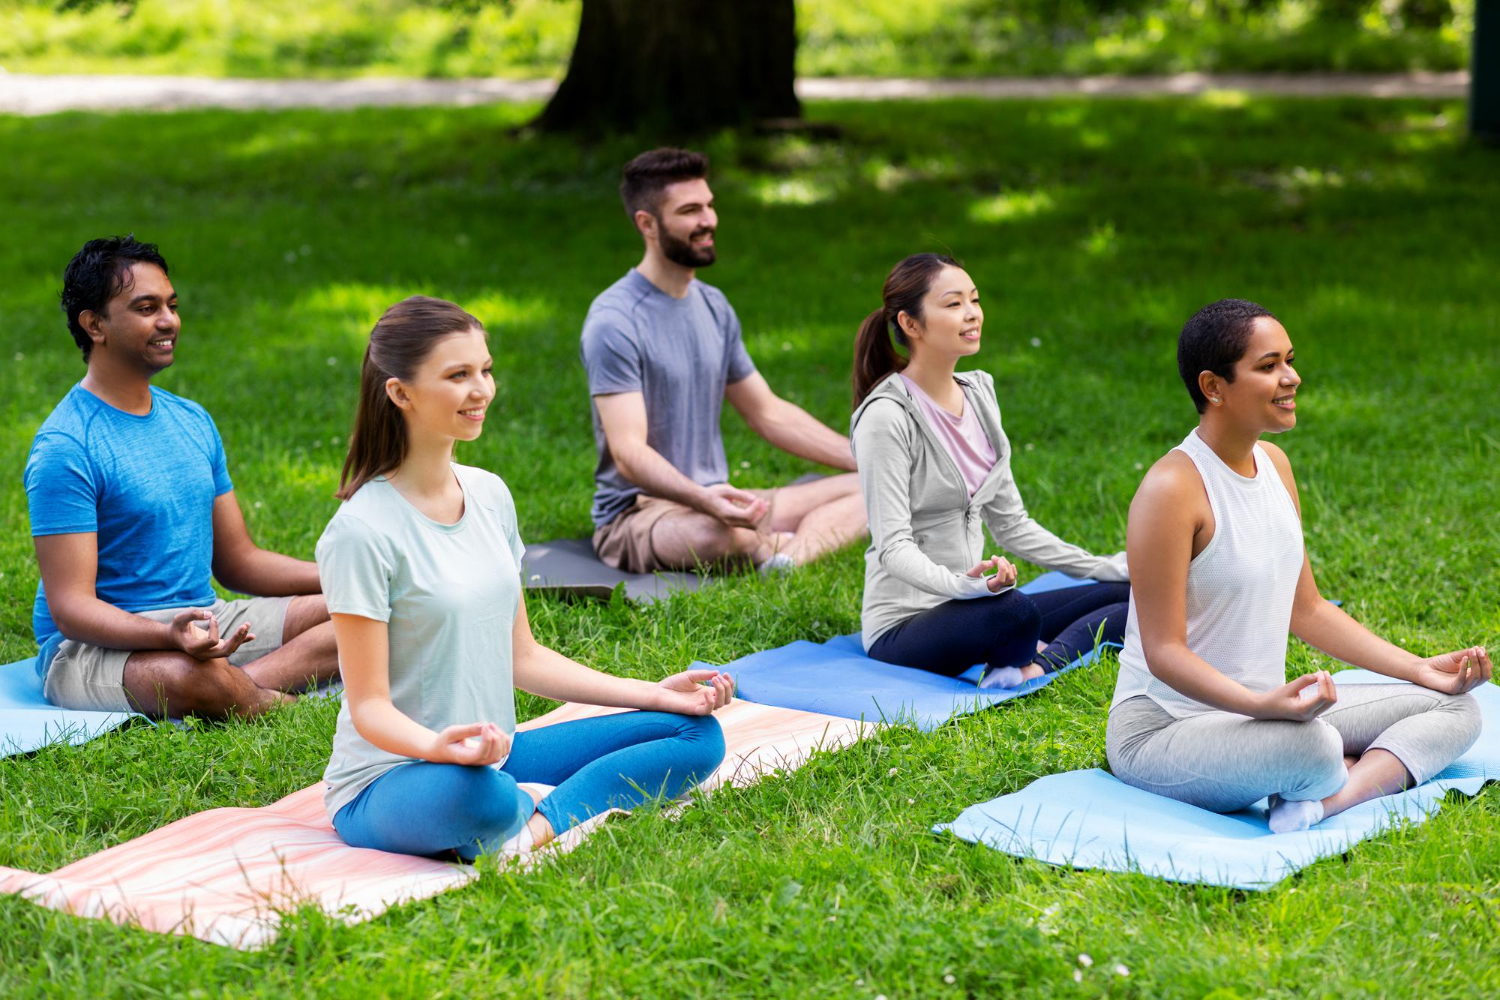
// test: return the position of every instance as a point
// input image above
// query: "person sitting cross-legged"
(1203, 711)
(133, 513)
(663, 351)
(935, 465)
(422, 564)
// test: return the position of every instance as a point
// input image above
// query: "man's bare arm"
(241, 565)
(623, 417)
(70, 570)
(787, 425)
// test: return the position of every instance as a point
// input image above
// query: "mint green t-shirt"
(449, 593)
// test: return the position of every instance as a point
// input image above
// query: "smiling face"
(448, 394)
(138, 326)
(683, 224)
(1262, 396)
(951, 320)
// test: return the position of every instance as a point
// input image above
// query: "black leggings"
(1002, 631)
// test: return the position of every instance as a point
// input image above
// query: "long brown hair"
(400, 342)
(875, 356)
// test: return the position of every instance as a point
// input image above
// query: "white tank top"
(1239, 588)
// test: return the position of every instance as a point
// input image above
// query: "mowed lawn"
(1093, 231)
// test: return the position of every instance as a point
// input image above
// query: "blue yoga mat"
(1090, 819)
(837, 678)
(29, 722)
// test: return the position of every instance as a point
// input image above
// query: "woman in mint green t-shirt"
(421, 569)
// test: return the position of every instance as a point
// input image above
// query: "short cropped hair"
(96, 274)
(1214, 340)
(648, 175)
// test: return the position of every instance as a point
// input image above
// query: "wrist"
(701, 499)
(1253, 704)
(432, 750)
(170, 638)
(654, 697)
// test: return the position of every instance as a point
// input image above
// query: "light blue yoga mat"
(837, 678)
(29, 722)
(1090, 819)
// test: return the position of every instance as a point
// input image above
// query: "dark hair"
(400, 342)
(1213, 341)
(98, 273)
(648, 175)
(874, 355)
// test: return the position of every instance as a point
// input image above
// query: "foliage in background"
(1093, 229)
(441, 38)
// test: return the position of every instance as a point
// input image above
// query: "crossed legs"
(171, 683)
(1397, 735)
(597, 764)
(805, 521)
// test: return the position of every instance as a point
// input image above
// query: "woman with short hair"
(1202, 709)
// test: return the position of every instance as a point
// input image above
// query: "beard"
(683, 252)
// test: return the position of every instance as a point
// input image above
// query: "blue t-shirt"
(145, 485)
(680, 355)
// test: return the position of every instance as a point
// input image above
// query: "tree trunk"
(1484, 73)
(684, 66)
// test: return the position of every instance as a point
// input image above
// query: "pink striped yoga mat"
(227, 875)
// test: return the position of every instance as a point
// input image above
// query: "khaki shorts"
(625, 542)
(92, 678)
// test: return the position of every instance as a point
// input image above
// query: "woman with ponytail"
(933, 463)
(421, 566)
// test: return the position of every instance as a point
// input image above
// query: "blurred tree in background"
(683, 65)
(530, 38)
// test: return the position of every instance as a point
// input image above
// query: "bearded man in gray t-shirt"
(663, 351)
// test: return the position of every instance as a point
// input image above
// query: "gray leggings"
(1226, 762)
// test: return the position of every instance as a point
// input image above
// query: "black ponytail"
(880, 334)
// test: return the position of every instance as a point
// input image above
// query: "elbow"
(624, 459)
(1157, 655)
(362, 714)
(69, 613)
(64, 618)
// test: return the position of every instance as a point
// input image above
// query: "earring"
(1215, 400)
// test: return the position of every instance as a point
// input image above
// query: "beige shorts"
(92, 678)
(625, 542)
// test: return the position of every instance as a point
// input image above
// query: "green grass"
(1093, 230)
(318, 38)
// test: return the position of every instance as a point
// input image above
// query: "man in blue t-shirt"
(663, 351)
(133, 514)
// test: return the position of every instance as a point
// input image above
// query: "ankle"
(540, 830)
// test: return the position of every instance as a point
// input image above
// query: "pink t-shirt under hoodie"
(962, 437)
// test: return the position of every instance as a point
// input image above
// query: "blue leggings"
(1002, 631)
(615, 761)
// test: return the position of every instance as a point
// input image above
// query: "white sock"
(777, 562)
(1288, 816)
(1003, 677)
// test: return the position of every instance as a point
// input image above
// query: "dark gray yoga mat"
(568, 567)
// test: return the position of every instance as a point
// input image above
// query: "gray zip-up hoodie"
(924, 526)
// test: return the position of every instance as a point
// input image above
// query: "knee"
(1022, 616)
(704, 738)
(1465, 717)
(214, 688)
(1321, 761)
(484, 801)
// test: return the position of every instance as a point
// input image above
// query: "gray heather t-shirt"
(678, 353)
(448, 593)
